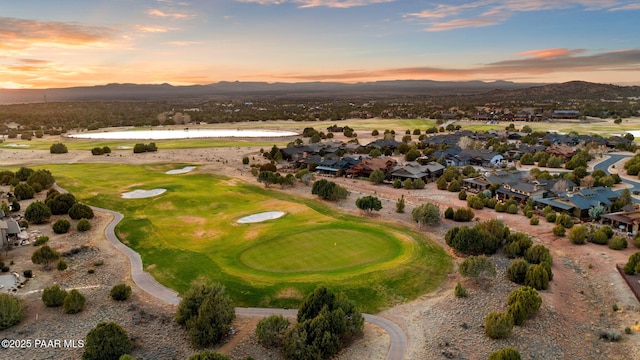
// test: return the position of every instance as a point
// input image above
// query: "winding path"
(397, 337)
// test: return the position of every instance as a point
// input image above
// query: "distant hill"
(226, 90)
(573, 90)
(471, 90)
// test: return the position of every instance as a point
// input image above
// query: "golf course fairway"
(190, 234)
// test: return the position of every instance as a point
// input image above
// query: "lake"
(181, 134)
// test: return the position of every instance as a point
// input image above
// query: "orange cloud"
(550, 53)
(340, 4)
(162, 14)
(17, 34)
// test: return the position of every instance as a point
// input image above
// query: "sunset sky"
(67, 43)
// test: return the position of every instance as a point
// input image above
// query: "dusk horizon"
(47, 45)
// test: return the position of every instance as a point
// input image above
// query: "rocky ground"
(578, 304)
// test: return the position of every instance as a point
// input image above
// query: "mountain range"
(499, 90)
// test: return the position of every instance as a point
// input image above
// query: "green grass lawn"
(190, 234)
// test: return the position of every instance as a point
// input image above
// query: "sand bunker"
(18, 145)
(140, 194)
(259, 217)
(184, 170)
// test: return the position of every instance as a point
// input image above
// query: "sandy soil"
(578, 304)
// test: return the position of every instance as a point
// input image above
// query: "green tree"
(74, 302)
(400, 205)
(23, 191)
(426, 214)
(507, 353)
(207, 313)
(326, 322)
(268, 178)
(58, 148)
(23, 173)
(120, 292)
(498, 325)
(329, 190)
(596, 211)
(11, 311)
(61, 226)
(53, 296)
(271, 330)
(42, 177)
(377, 176)
(44, 256)
(369, 203)
(80, 211)
(106, 341)
(477, 267)
(83, 225)
(37, 212)
(60, 204)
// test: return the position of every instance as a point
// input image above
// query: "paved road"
(146, 282)
(614, 158)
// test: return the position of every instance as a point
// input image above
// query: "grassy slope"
(189, 234)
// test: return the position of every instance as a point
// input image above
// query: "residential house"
(562, 151)
(414, 170)
(368, 165)
(628, 221)
(578, 203)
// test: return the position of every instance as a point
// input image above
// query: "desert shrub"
(271, 330)
(537, 277)
(507, 353)
(534, 220)
(97, 151)
(79, 211)
(472, 240)
(83, 225)
(460, 291)
(326, 323)
(618, 243)
(37, 212)
(4, 269)
(558, 230)
(207, 313)
(578, 235)
(28, 274)
(463, 215)
(498, 325)
(61, 226)
(106, 341)
(448, 214)
(564, 220)
(53, 296)
(62, 265)
(608, 230)
(462, 195)
(522, 303)
(512, 209)
(551, 217)
(245, 160)
(633, 264)
(73, 302)
(600, 237)
(11, 311)
(610, 334)
(41, 240)
(120, 292)
(58, 148)
(517, 271)
(517, 244)
(475, 202)
(477, 267)
(23, 191)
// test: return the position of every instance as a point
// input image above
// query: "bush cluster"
(120, 292)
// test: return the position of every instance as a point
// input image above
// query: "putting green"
(190, 234)
(320, 250)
